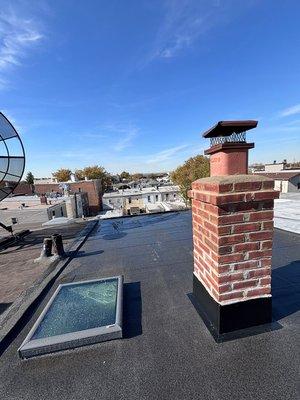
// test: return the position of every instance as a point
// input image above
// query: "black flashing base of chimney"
(227, 322)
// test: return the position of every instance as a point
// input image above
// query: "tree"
(62, 174)
(79, 173)
(125, 175)
(194, 168)
(94, 172)
(136, 177)
(29, 178)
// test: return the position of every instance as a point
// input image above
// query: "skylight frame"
(35, 347)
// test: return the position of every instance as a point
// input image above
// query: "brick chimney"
(232, 234)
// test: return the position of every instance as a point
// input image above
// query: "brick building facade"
(23, 188)
(92, 187)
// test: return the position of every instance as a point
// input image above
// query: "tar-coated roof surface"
(167, 352)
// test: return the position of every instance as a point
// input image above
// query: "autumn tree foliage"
(125, 175)
(136, 176)
(94, 172)
(62, 174)
(194, 168)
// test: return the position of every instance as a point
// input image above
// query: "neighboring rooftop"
(282, 175)
(132, 192)
(167, 351)
(287, 212)
(17, 269)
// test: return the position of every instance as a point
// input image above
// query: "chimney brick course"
(232, 233)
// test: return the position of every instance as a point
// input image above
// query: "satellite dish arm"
(7, 228)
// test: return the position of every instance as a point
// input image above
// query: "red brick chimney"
(232, 234)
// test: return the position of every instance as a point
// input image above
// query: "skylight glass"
(77, 314)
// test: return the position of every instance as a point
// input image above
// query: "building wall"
(151, 198)
(91, 187)
(113, 201)
(274, 167)
(288, 186)
(134, 206)
(57, 210)
(278, 185)
(294, 184)
(23, 188)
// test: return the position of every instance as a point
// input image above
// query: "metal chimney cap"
(227, 128)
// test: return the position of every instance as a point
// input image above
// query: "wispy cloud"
(89, 135)
(18, 34)
(126, 140)
(183, 23)
(164, 155)
(126, 133)
(293, 110)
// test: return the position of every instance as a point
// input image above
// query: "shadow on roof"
(132, 309)
(286, 290)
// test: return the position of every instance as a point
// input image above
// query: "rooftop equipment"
(12, 160)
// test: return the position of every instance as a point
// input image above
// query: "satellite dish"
(12, 158)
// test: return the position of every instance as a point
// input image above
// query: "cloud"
(290, 111)
(18, 34)
(126, 140)
(165, 154)
(126, 133)
(92, 135)
(183, 23)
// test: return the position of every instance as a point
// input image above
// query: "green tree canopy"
(62, 174)
(29, 178)
(194, 168)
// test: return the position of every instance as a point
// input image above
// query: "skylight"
(77, 314)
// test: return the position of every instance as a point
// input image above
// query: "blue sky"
(132, 84)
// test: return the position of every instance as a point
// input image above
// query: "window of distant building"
(156, 197)
(79, 189)
(61, 212)
(149, 199)
(167, 196)
(129, 200)
(174, 195)
(53, 213)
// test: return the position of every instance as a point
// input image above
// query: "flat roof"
(167, 351)
(281, 175)
(137, 192)
(227, 128)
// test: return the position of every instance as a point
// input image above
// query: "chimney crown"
(229, 149)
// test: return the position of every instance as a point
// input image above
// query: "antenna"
(12, 160)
